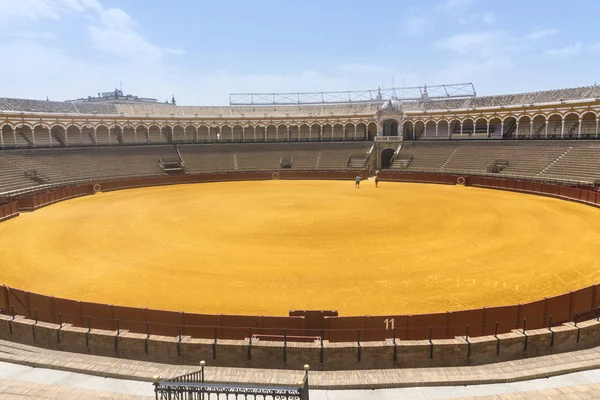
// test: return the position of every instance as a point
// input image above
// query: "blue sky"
(201, 51)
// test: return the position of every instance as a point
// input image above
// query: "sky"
(200, 51)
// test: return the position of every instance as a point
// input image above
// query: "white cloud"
(175, 51)
(25, 35)
(417, 25)
(476, 19)
(474, 43)
(595, 47)
(567, 51)
(456, 4)
(116, 34)
(541, 34)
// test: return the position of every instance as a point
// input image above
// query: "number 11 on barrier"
(389, 323)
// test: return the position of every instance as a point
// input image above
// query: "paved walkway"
(22, 382)
(511, 371)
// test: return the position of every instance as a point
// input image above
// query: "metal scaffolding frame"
(421, 93)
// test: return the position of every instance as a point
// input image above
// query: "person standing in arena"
(357, 182)
(376, 181)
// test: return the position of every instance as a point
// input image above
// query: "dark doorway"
(386, 158)
(390, 127)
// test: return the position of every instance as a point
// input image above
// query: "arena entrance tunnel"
(386, 158)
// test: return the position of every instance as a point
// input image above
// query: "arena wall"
(449, 338)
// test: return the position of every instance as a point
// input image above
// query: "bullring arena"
(154, 232)
(268, 247)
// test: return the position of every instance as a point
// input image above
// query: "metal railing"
(194, 387)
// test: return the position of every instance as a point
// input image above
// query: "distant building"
(116, 96)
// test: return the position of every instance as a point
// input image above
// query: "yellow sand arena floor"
(268, 247)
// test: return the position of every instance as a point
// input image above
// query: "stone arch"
(142, 135)
(495, 123)
(39, 136)
(454, 126)
(371, 131)
(116, 134)
(128, 134)
(429, 131)
(282, 133)
(554, 126)
(468, 126)
(327, 132)
(249, 133)
(237, 133)
(7, 135)
(539, 126)
(571, 125)
(155, 134)
(271, 132)
(214, 133)
(360, 131)
(350, 131)
(304, 132)
(419, 129)
(203, 134)
(390, 127)
(25, 136)
(226, 133)
(191, 134)
(73, 132)
(443, 129)
(294, 132)
(338, 131)
(480, 128)
(179, 134)
(523, 129)
(315, 132)
(588, 125)
(408, 129)
(261, 133)
(509, 127)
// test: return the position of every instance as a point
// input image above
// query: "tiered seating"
(425, 156)
(525, 160)
(81, 164)
(336, 156)
(213, 157)
(577, 163)
(12, 177)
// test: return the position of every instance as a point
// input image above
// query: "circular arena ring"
(244, 259)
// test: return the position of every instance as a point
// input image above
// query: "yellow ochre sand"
(268, 247)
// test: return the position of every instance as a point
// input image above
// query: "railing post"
(578, 328)
(147, 337)
(551, 331)
(306, 386)
(395, 346)
(117, 335)
(87, 340)
(215, 343)
(155, 378)
(524, 333)
(497, 340)
(468, 343)
(430, 343)
(179, 342)
(249, 343)
(202, 364)
(322, 355)
(358, 343)
(59, 328)
(284, 345)
(35, 323)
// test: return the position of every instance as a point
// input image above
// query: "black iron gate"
(193, 387)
